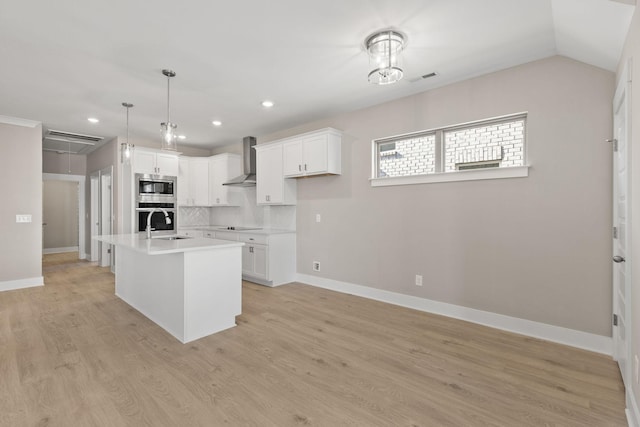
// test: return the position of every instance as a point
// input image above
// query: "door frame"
(623, 95)
(97, 198)
(80, 179)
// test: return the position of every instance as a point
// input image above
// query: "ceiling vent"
(423, 77)
(75, 137)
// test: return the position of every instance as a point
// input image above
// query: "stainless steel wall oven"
(156, 192)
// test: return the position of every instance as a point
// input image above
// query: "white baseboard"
(31, 282)
(60, 250)
(633, 414)
(558, 334)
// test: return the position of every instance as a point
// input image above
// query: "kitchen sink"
(171, 237)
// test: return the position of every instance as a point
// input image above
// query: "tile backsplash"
(248, 214)
(189, 216)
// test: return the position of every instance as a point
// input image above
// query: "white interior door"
(105, 217)
(621, 234)
(95, 217)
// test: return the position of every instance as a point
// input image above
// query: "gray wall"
(632, 50)
(536, 248)
(102, 158)
(74, 164)
(21, 175)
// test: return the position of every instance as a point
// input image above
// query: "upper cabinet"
(271, 187)
(314, 153)
(155, 163)
(223, 168)
(193, 181)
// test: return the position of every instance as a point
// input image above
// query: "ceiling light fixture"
(267, 104)
(126, 148)
(384, 48)
(217, 123)
(168, 129)
(93, 120)
(182, 137)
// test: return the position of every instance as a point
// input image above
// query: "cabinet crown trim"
(327, 131)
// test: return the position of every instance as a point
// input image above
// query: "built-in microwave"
(155, 188)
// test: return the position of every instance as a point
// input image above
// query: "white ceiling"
(66, 60)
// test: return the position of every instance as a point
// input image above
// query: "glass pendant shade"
(126, 148)
(169, 137)
(168, 129)
(384, 49)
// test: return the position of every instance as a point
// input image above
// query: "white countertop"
(265, 231)
(139, 242)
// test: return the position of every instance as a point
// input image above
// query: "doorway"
(63, 213)
(101, 215)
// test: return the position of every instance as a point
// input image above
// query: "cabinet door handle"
(251, 249)
(300, 168)
(305, 166)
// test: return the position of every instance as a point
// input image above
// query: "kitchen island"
(190, 287)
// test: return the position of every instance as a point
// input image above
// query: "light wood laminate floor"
(73, 354)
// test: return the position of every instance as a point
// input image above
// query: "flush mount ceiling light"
(384, 49)
(217, 123)
(181, 137)
(93, 120)
(126, 148)
(267, 104)
(168, 129)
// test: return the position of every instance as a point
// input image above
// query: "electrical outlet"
(418, 280)
(318, 218)
(316, 266)
(636, 362)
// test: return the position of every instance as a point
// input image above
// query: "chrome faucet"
(167, 220)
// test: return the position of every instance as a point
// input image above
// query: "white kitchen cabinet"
(193, 181)
(314, 153)
(254, 261)
(272, 188)
(199, 181)
(183, 181)
(154, 162)
(223, 168)
(267, 259)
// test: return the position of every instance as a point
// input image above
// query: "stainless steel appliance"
(248, 177)
(158, 221)
(156, 188)
(156, 192)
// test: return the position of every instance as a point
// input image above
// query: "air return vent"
(54, 134)
(423, 77)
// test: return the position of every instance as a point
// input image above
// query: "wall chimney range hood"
(248, 177)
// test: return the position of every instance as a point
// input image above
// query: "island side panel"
(213, 291)
(153, 285)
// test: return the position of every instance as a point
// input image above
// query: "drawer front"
(253, 238)
(226, 235)
(210, 234)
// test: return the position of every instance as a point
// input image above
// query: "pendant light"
(126, 148)
(384, 48)
(168, 129)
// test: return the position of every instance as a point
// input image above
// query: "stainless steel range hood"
(248, 177)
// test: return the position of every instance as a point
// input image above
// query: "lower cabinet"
(267, 259)
(254, 260)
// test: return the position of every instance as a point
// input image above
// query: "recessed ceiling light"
(217, 123)
(267, 104)
(93, 120)
(182, 137)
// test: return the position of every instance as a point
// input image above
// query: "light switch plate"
(318, 218)
(23, 218)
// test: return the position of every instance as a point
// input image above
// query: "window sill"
(468, 175)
